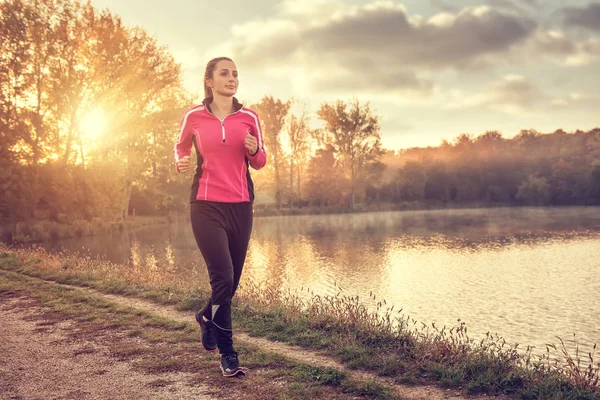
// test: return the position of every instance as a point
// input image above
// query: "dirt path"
(34, 358)
(297, 353)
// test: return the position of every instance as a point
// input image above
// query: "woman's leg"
(239, 236)
(241, 219)
(208, 225)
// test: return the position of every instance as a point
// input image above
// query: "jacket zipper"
(222, 122)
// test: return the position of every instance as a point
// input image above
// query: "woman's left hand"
(251, 144)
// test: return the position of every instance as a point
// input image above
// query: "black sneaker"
(230, 366)
(209, 342)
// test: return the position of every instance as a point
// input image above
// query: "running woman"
(228, 140)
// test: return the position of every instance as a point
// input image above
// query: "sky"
(431, 69)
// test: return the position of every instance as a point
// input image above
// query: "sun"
(93, 124)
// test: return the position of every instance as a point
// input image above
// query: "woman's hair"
(208, 73)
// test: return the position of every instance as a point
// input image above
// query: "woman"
(228, 139)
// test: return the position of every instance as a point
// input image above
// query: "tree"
(137, 75)
(534, 191)
(158, 186)
(299, 135)
(463, 141)
(563, 182)
(75, 88)
(59, 59)
(594, 183)
(411, 181)
(14, 60)
(41, 34)
(353, 131)
(272, 115)
(325, 178)
(437, 187)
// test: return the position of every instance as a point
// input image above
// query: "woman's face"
(225, 79)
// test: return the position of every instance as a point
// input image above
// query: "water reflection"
(528, 274)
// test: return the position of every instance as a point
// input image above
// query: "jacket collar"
(237, 106)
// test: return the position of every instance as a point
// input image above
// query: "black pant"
(222, 232)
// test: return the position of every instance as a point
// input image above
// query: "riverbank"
(270, 210)
(403, 351)
(33, 231)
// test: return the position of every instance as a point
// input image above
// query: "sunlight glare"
(92, 124)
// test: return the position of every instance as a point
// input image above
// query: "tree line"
(532, 168)
(63, 60)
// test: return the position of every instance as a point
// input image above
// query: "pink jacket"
(222, 174)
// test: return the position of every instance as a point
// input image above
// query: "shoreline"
(38, 231)
(341, 328)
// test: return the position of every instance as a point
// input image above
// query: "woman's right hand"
(183, 164)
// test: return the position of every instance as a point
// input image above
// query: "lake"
(528, 274)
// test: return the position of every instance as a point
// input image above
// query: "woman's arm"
(258, 159)
(183, 147)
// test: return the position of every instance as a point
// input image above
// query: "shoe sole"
(204, 347)
(240, 371)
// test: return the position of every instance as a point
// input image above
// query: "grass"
(159, 346)
(385, 343)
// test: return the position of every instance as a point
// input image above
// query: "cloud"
(513, 94)
(559, 47)
(516, 5)
(555, 43)
(576, 100)
(367, 76)
(516, 95)
(375, 46)
(443, 5)
(585, 17)
(384, 31)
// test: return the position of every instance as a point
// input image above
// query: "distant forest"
(89, 113)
